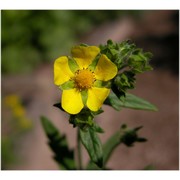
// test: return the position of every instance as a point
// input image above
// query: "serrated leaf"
(122, 82)
(108, 149)
(92, 143)
(129, 101)
(113, 101)
(58, 145)
(97, 128)
(134, 102)
(124, 135)
(126, 54)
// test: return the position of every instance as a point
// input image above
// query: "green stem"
(79, 150)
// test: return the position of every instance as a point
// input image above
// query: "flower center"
(84, 79)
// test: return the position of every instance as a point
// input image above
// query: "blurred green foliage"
(15, 124)
(7, 153)
(32, 37)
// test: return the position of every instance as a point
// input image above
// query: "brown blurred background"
(31, 40)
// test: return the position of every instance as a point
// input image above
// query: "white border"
(90, 4)
(89, 175)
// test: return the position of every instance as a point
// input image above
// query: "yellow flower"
(82, 76)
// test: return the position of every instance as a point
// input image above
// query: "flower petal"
(105, 69)
(62, 72)
(84, 55)
(96, 97)
(72, 101)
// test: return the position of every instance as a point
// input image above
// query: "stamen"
(84, 79)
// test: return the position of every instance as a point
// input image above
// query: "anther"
(84, 79)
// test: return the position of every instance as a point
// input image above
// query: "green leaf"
(83, 119)
(97, 128)
(84, 95)
(101, 84)
(130, 136)
(58, 145)
(129, 101)
(139, 61)
(113, 101)
(110, 145)
(126, 54)
(125, 135)
(95, 113)
(92, 66)
(72, 64)
(84, 45)
(92, 143)
(149, 167)
(122, 82)
(67, 85)
(134, 102)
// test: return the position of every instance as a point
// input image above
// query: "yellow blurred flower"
(18, 111)
(11, 100)
(81, 77)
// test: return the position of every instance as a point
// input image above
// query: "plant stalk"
(79, 150)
